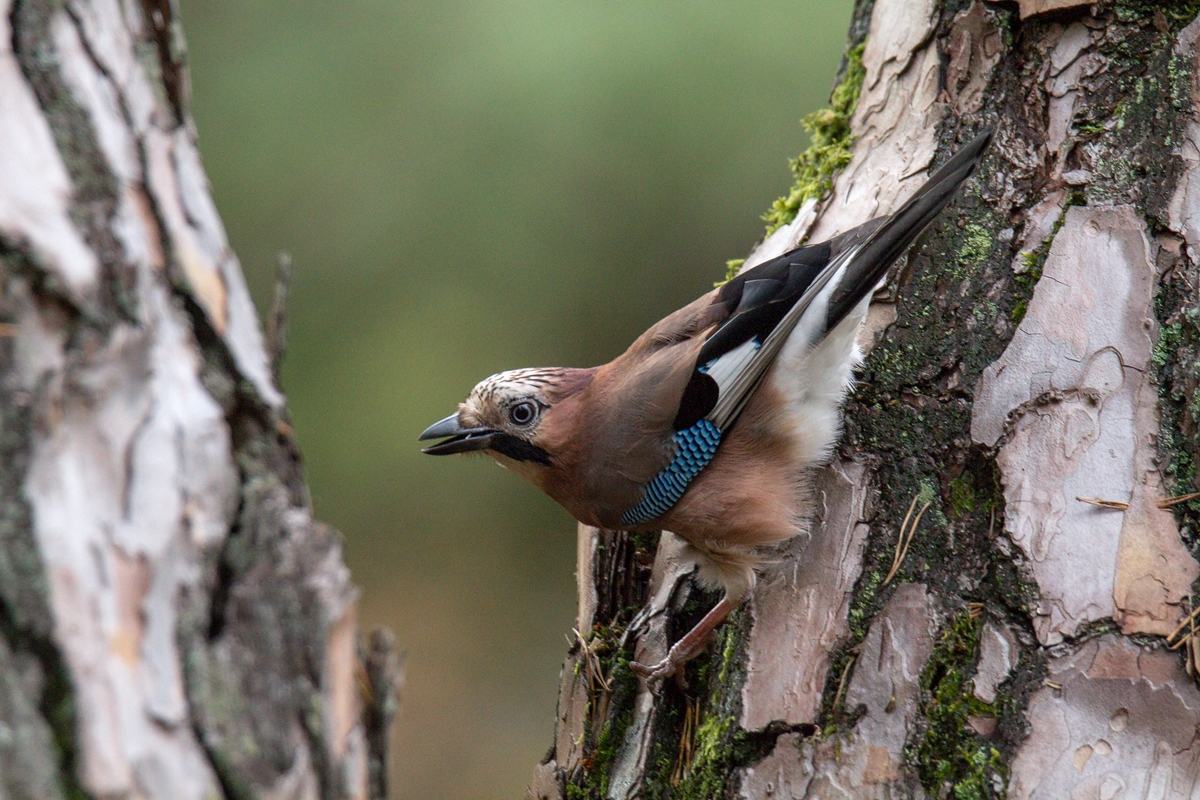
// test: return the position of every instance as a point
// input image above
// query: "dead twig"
(277, 328)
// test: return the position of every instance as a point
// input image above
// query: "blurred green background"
(467, 187)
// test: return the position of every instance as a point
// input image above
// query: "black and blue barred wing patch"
(694, 448)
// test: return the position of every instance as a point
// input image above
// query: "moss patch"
(962, 496)
(814, 169)
(1175, 364)
(709, 768)
(732, 267)
(949, 758)
(603, 737)
(1175, 361)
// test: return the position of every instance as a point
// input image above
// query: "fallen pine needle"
(1187, 621)
(1195, 660)
(902, 553)
(900, 539)
(595, 673)
(1115, 505)
(1183, 498)
(683, 763)
(837, 698)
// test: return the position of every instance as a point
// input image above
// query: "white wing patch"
(727, 366)
(737, 372)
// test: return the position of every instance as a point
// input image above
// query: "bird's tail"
(893, 236)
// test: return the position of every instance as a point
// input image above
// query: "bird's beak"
(457, 438)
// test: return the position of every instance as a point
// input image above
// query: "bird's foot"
(684, 651)
(655, 674)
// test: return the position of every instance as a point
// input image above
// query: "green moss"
(829, 128)
(1176, 371)
(1034, 261)
(949, 757)
(709, 737)
(612, 732)
(1140, 12)
(862, 606)
(728, 653)
(1170, 338)
(732, 266)
(712, 762)
(962, 496)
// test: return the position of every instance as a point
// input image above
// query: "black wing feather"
(757, 300)
(899, 230)
(760, 297)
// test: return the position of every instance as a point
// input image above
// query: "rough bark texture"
(173, 622)
(1040, 344)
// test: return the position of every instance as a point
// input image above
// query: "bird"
(710, 424)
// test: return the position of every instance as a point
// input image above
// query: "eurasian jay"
(709, 424)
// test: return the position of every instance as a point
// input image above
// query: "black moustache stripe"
(519, 449)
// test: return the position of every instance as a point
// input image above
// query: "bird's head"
(519, 417)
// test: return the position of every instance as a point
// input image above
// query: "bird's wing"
(812, 289)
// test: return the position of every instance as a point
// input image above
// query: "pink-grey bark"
(174, 623)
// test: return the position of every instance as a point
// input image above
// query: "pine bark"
(1037, 346)
(174, 623)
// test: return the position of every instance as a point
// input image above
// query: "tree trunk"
(173, 622)
(1039, 345)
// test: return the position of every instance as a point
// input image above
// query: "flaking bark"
(1038, 345)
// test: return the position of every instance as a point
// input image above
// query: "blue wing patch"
(694, 448)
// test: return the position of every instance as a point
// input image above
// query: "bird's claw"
(655, 674)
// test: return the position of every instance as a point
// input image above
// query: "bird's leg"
(686, 648)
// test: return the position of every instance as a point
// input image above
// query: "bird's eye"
(522, 413)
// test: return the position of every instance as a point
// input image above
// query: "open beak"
(457, 438)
